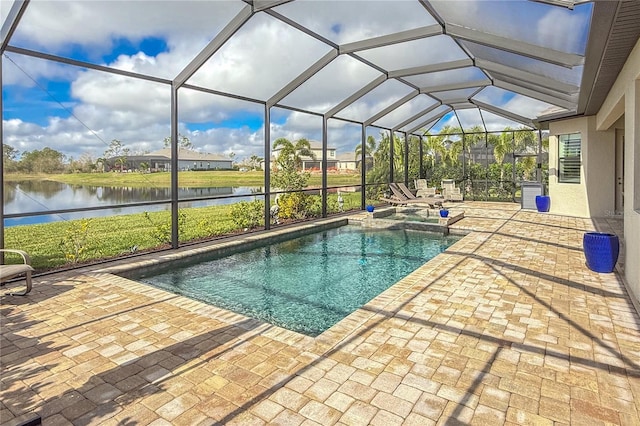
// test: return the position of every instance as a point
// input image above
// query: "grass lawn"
(200, 179)
(56, 244)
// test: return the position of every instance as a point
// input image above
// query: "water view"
(42, 196)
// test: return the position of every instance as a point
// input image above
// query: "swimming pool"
(414, 215)
(306, 284)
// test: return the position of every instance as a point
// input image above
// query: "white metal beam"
(573, 98)
(567, 60)
(535, 94)
(569, 4)
(416, 116)
(259, 5)
(458, 100)
(357, 95)
(527, 76)
(227, 32)
(87, 65)
(506, 114)
(304, 76)
(11, 22)
(456, 86)
(443, 66)
(385, 40)
(391, 107)
(462, 105)
(433, 119)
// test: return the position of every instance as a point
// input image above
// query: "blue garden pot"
(543, 203)
(370, 208)
(601, 251)
(444, 213)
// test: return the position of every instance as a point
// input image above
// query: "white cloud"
(261, 58)
(52, 25)
(346, 21)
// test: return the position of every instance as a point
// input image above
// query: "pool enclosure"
(310, 107)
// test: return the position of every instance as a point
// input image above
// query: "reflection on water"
(43, 196)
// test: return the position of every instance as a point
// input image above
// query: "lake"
(43, 196)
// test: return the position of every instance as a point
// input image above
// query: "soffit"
(621, 36)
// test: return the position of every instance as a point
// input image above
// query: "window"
(569, 147)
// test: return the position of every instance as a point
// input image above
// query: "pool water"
(309, 283)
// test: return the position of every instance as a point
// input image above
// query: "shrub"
(248, 214)
(293, 205)
(74, 241)
(161, 231)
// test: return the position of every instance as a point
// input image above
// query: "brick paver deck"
(507, 326)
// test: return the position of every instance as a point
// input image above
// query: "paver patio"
(508, 326)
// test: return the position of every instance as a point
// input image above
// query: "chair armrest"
(25, 257)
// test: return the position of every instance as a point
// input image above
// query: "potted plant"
(543, 203)
(601, 251)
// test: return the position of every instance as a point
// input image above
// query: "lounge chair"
(401, 195)
(14, 270)
(406, 191)
(435, 199)
(394, 201)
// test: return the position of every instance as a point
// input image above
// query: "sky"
(79, 111)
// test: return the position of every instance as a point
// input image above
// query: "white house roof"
(190, 155)
(347, 156)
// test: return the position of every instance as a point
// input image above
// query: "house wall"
(594, 196)
(347, 165)
(204, 165)
(623, 100)
(632, 188)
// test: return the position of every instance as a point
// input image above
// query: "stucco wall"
(624, 98)
(632, 188)
(594, 196)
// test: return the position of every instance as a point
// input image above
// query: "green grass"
(109, 237)
(113, 236)
(202, 179)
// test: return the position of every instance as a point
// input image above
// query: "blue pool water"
(309, 283)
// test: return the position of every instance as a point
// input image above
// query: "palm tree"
(453, 148)
(475, 137)
(121, 161)
(502, 145)
(293, 152)
(526, 142)
(255, 161)
(435, 148)
(398, 153)
(369, 149)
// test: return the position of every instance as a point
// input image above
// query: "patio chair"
(450, 191)
(17, 269)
